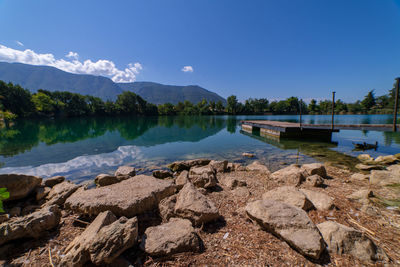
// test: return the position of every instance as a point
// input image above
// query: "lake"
(81, 148)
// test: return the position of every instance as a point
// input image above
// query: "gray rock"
(77, 252)
(60, 192)
(289, 195)
(52, 181)
(257, 166)
(162, 174)
(362, 194)
(289, 223)
(32, 225)
(19, 185)
(386, 160)
(176, 236)
(342, 239)
(219, 166)
(291, 175)
(113, 239)
(315, 168)
(125, 171)
(192, 205)
(182, 179)
(203, 177)
(321, 201)
(167, 207)
(384, 177)
(128, 198)
(314, 180)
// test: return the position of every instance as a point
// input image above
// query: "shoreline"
(233, 237)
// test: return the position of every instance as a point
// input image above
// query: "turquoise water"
(81, 148)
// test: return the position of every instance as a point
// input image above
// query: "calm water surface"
(81, 148)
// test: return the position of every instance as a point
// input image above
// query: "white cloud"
(100, 67)
(19, 43)
(72, 55)
(187, 69)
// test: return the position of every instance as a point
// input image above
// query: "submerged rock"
(176, 236)
(128, 198)
(32, 225)
(193, 205)
(289, 223)
(178, 166)
(342, 239)
(19, 185)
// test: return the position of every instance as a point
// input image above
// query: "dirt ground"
(234, 240)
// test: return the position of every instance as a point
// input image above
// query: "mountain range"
(34, 77)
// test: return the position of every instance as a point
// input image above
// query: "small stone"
(4, 218)
(365, 158)
(359, 177)
(105, 179)
(247, 155)
(364, 167)
(182, 179)
(203, 177)
(126, 171)
(290, 175)
(166, 207)
(60, 192)
(50, 182)
(162, 174)
(219, 166)
(361, 194)
(315, 168)
(314, 180)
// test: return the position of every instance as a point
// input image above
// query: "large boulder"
(289, 195)
(112, 240)
(342, 239)
(32, 225)
(315, 168)
(291, 175)
(128, 198)
(193, 205)
(257, 166)
(203, 177)
(219, 165)
(77, 252)
(125, 171)
(178, 166)
(320, 201)
(52, 181)
(289, 223)
(60, 192)
(19, 185)
(176, 236)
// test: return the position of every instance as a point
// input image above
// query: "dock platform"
(282, 129)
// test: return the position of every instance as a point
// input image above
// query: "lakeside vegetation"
(17, 102)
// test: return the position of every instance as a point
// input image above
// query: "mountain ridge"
(34, 77)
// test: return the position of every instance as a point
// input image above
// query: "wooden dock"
(282, 129)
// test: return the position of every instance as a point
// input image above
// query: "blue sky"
(258, 48)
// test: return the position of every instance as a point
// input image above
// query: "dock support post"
(301, 103)
(333, 108)
(396, 105)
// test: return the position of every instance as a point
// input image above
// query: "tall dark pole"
(301, 102)
(333, 108)
(396, 105)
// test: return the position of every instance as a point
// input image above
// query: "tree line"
(17, 102)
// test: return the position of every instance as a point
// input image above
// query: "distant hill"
(49, 78)
(159, 93)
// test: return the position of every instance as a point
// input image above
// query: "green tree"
(219, 107)
(369, 101)
(44, 103)
(232, 104)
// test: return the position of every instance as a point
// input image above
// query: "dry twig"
(50, 259)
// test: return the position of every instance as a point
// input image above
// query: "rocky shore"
(207, 212)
